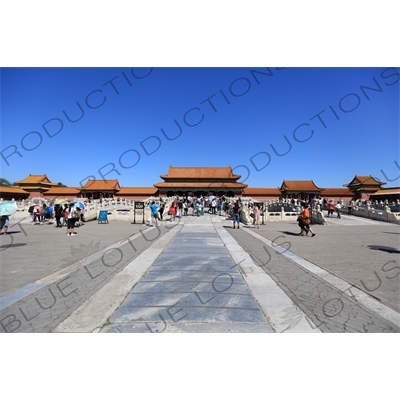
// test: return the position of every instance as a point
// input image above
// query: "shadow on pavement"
(6, 246)
(384, 248)
(290, 233)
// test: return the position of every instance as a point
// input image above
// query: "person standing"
(185, 208)
(154, 213)
(31, 211)
(43, 213)
(338, 208)
(350, 207)
(213, 206)
(219, 206)
(236, 214)
(227, 206)
(172, 211)
(306, 221)
(256, 211)
(36, 215)
(59, 213)
(331, 207)
(161, 210)
(65, 215)
(4, 222)
(49, 214)
(71, 219)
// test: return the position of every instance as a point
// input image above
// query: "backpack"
(30, 210)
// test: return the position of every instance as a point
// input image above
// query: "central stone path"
(193, 286)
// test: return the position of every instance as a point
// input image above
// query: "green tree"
(61, 184)
(4, 182)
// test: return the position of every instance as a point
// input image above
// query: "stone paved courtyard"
(200, 275)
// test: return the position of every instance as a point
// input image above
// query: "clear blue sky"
(360, 136)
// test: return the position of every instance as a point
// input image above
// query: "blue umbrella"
(78, 204)
(8, 207)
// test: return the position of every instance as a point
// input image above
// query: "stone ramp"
(194, 286)
(350, 220)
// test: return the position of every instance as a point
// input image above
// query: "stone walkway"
(194, 286)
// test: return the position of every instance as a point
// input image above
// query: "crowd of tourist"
(61, 215)
(195, 206)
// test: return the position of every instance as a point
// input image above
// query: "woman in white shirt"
(72, 217)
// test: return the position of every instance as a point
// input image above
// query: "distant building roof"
(200, 185)
(387, 192)
(63, 190)
(200, 173)
(148, 191)
(12, 190)
(262, 191)
(39, 183)
(36, 179)
(101, 185)
(364, 182)
(299, 186)
(336, 192)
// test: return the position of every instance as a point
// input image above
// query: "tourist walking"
(154, 213)
(219, 206)
(172, 211)
(65, 215)
(227, 206)
(236, 214)
(31, 211)
(256, 212)
(49, 214)
(306, 221)
(331, 207)
(72, 216)
(338, 208)
(213, 206)
(43, 214)
(4, 222)
(161, 210)
(350, 207)
(36, 215)
(59, 213)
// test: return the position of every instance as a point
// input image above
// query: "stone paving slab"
(175, 313)
(330, 309)
(229, 283)
(31, 252)
(366, 256)
(185, 295)
(185, 286)
(188, 259)
(188, 327)
(43, 309)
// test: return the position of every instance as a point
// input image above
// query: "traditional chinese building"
(337, 194)
(303, 190)
(36, 185)
(62, 192)
(187, 181)
(136, 193)
(98, 189)
(389, 194)
(13, 192)
(363, 186)
(262, 194)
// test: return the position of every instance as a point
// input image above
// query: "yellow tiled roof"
(200, 172)
(111, 184)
